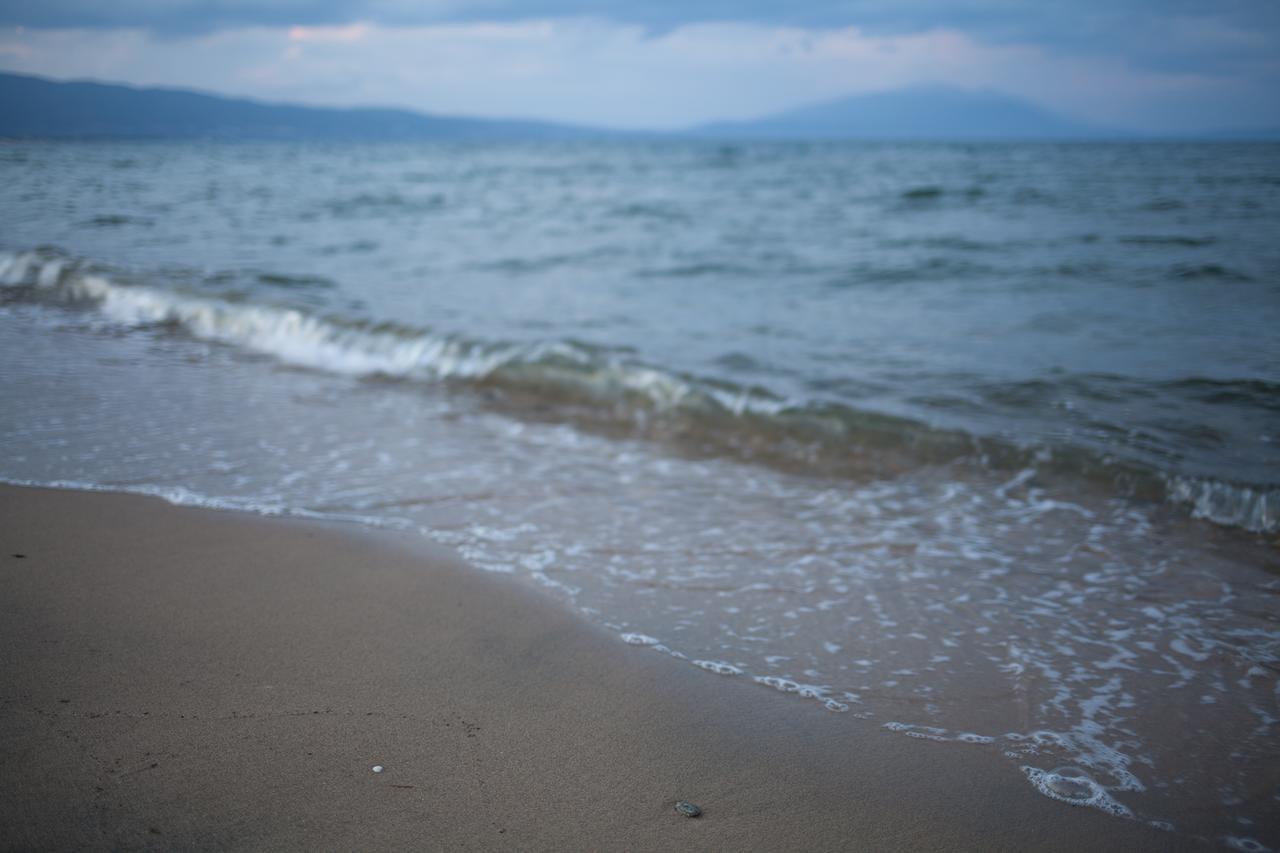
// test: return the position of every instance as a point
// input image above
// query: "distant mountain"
(1247, 134)
(924, 113)
(33, 107)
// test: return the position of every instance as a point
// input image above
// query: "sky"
(1143, 65)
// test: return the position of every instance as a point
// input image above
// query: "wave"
(289, 281)
(926, 269)
(1217, 272)
(113, 219)
(610, 389)
(357, 348)
(1170, 240)
(932, 192)
(927, 193)
(365, 204)
(1256, 509)
(695, 270)
(1158, 205)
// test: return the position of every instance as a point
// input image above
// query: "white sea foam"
(719, 667)
(1254, 509)
(179, 496)
(1076, 788)
(1110, 767)
(822, 693)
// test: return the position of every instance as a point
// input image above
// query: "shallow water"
(930, 435)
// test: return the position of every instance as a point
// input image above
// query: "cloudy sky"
(1153, 65)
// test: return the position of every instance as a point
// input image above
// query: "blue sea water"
(977, 442)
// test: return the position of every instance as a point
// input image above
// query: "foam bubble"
(1070, 782)
(920, 732)
(719, 667)
(786, 685)
(969, 737)
(640, 640)
(1071, 785)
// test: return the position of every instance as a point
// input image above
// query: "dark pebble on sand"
(687, 809)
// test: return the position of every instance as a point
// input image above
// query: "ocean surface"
(976, 443)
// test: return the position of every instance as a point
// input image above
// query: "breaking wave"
(608, 389)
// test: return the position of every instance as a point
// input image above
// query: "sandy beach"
(175, 678)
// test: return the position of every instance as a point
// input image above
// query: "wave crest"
(602, 388)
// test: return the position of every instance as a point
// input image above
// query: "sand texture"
(176, 678)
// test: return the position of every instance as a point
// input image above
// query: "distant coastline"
(39, 108)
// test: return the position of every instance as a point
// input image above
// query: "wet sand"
(175, 678)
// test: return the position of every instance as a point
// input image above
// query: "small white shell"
(377, 768)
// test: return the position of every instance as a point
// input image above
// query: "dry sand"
(175, 678)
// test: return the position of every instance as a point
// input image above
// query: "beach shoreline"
(180, 678)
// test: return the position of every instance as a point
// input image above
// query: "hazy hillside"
(35, 107)
(933, 113)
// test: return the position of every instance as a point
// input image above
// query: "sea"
(978, 444)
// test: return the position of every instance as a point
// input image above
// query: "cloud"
(347, 33)
(1236, 41)
(598, 71)
(994, 19)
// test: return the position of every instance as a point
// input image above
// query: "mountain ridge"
(33, 107)
(36, 107)
(926, 113)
